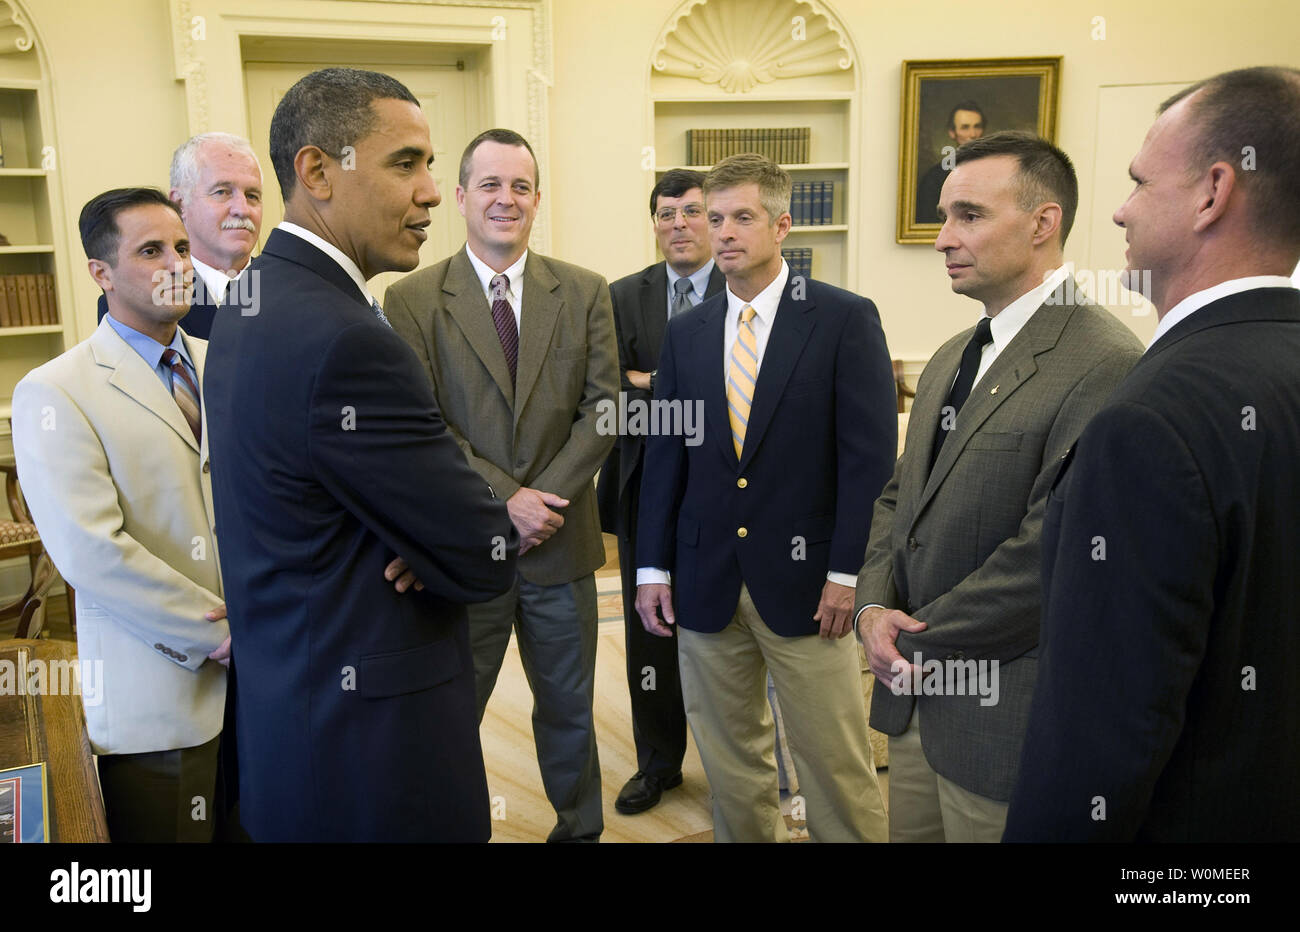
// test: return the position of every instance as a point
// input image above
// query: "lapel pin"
(994, 389)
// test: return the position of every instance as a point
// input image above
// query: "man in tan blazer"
(521, 351)
(108, 439)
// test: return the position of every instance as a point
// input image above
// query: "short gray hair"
(185, 160)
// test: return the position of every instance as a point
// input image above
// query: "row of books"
(27, 301)
(812, 203)
(788, 145)
(799, 259)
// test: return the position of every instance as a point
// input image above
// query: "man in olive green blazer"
(522, 355)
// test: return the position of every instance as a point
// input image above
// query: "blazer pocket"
(396, 673)
(688, 531)
(992, 441)
(818, 528)
(805, 387)
(569, 353)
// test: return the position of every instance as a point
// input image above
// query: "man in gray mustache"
(216, 181)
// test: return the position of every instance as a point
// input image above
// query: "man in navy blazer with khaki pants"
(762, 523)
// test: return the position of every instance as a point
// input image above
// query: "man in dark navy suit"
(643, 304)
(1168, 702)
(761, 518)
(355, 702)
(217, 182)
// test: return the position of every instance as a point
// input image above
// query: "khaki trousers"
(819, 687)
(927, 807)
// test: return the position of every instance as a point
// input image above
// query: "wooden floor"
(520, 809)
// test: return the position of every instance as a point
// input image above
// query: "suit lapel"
(706, 336)
(717, 281)
(654, 305)
(541, 308)
(285, 245)
(785, 343)
(469, 307)
(1014, 367)
(132, 376)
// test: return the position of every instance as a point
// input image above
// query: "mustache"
(240, 223)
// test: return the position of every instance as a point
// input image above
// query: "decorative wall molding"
(15, 32)
(192, 60)
(739, 44)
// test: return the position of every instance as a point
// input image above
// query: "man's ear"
(310, 169)
(102, 273)
(175, 195)
(1047, 221)
(1214, 191)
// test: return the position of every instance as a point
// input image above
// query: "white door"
(448, 93)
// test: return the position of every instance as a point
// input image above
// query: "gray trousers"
(556, 630)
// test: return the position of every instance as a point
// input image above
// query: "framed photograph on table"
(949, 102)
(24, 805)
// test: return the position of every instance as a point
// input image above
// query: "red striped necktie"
(185, 392)
(504, 319)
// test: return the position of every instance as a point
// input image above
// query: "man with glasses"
(643, 304)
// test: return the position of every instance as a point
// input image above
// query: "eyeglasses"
(666, 215)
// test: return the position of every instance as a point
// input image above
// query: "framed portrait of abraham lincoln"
(949, 102)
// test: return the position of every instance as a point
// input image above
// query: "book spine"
(24, 301)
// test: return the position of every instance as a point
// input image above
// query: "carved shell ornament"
(739, 44)
(15, 34)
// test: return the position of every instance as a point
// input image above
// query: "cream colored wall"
(599, 118)
(118, 110)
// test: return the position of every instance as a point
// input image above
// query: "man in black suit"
(1169, 701)
(354, 701)
(643, 304)
(759, 517)
(965, 122)
(217, 181)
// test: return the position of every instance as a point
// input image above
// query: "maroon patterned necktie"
(185, 392)
(504, 318)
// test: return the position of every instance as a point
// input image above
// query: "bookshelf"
(31, 220)
(766, 64)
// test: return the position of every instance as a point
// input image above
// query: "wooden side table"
(52, 728)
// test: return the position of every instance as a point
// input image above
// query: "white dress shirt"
(1194, 302)
(214, 280)
(1012, 319)
(334, 253)
(765, 305)
(699, 284)
(514, 294)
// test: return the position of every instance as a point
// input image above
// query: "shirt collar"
(1197, 300)
(333, 252)
(1012, 318)
(486, 273)
(149, 349)
(699, 278)
(765, 302)
(215, 281)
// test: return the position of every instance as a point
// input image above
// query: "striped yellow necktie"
(742, 377)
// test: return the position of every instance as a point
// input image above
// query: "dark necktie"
(970, 364)
(682, 289)
(504, 318)
(185, 392)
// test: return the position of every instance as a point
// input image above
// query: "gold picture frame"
(1007, 93)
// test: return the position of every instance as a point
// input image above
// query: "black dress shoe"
(642, 792)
